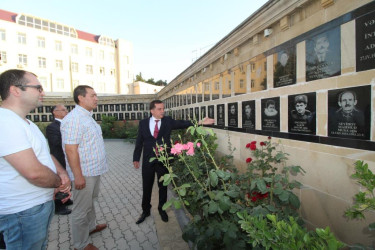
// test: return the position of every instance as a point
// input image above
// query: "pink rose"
(177, 149)
(198, 144)
(190, 146)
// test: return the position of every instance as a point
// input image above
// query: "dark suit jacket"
(147, 142)
(54, 141)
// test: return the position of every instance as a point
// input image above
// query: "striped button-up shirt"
(78, 127)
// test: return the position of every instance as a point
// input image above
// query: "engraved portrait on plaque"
(132, 115)
(233, 114)
(365, 42)
(323, 55)
(121, 116)
(349, 112)
(220, 115)
(145, 115)
(139, 115)
(285, 67)
(211, 111)
(135, 105)
(271, 114)
(129, 106)
(123, 107)
(248, 115)
(117, 107)
(203, 112)
(302, 113)
(111, 107)
(126, 116)
(183, 114)
(105, 107)
(100, 108)
(191, 114)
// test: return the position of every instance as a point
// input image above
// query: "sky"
(167, 35)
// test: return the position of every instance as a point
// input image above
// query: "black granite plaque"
(36, 118)
(132, 116)
(50, 118)
(203, 112)
(185, 100)
(28, 117)
(95, 110)
(106, 108)
(111, 107)
(139, 115)
(365, 42)
(100, 108)
(146, 115)
(44, 118)
(211, 111)
(271, 114)
(135, 105)
(98, 117)
(129, 107)
(141, 106)
(323, 55)
(117, 107)
(233, 114)
(285, 67)
(302, 113)
(40, 110)
(196, 113)
(189, 99)
(220, 115)
(48, 109)
(123, 107)
(121, 116)
(349, 112)
(127, 116)
(116, 116)
(248, 115)
(183, 114)
(191, 115)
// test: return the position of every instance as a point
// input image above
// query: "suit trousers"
(148, 178)
(83, 217)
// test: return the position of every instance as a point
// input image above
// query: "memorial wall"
(302, 72)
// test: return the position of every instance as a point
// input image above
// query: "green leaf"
(186, 203)
(294, 200)
(177, 204)
(232, 193)
(197, 218)
(213, 178)
(261, 186)
(182, 191)
(167, 179)
(212, 207)
(167, 204)
(284, 196)
(220, 173)
(225, 203)
(152, 159)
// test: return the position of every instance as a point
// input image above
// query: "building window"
(21, 38)
(60, 83)
(216, 85)
(3, 57)
(89, 52)
(89, 69)
(41, 42)
(113, 72)
(206, 87)
(252, 83)
(58, 45)
(59, 64)
(101, 55)
(22, 59)
(74, 67)
(43, 81)
(74, 49)
(102, 71)
(241, 83)
(42, 62)
(2, 35)
(229, 85)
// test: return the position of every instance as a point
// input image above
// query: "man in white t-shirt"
(29, 175)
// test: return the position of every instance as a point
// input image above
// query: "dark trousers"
(148, 178)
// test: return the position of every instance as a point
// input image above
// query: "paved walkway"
(119, 205)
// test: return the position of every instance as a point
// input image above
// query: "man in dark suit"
(54, 141)
(152, 130)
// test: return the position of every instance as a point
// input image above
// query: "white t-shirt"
(17, 193)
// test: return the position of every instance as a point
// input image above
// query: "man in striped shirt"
(83, 144)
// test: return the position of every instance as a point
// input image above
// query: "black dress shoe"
(63, 211)
(163, 215)
(68, 203)
(142, 217)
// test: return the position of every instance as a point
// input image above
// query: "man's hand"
(136, 164)
(207, 121)
(79, 182)
(65, 183)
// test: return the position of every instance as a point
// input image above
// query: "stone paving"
(119, 205)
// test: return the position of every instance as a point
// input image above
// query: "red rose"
(248, 160)
(253, 146)
(248, 145)
(253, 199)
(262, 143)
(253, 142)
(269, 137)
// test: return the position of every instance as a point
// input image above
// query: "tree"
(139, 78)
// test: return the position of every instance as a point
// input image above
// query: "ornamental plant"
(213, 193)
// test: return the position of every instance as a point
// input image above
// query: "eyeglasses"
(38, 87)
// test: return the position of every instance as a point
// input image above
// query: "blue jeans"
(27, 229)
